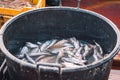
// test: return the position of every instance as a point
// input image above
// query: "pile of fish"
(66, 52)
(15, 4)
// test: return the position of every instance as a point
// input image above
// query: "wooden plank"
(114, 75)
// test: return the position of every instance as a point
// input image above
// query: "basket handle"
(39, 67)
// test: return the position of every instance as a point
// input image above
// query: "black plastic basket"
(3, 71)
(58, 22)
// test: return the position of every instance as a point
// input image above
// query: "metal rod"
(60, 4)
(78, 5)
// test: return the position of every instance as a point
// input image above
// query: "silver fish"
(40, 57)
(52, 43)
(81, 44)
(59, 44)
(99, 48)
(68, 65)
(24, 59)
(54, 51)
(78, 61)
(20, 56)
(67, 48)
(69, 53)
(34, 50)
(60, 55)
(24, 50)
(87, 51)
(39, 54)
(57, 50)
(47, 59)
(31, 45)
(29, 59)
(47, 45)
(97, 53)
(79, 53)
(75, 42)
(95, 57)
(74, 50)
(39, 43)
(68, 45)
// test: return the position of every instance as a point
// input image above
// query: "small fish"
(39, 54)
(47, 59)
(24, 59)
(67, 49)
(20, 56)
(68, 45)
(59, 44)
(31, 45)
(81, 44)
(74, 50)
(75, 42)
(87, 51)
(54, 50)
(97, 53)
(39, 58)
(69, 53)
(29, 59)
(99, 48)
(78, 61)
(66, 52)
(79, 53)
(24, 50)
(95, 57)
(34, 50)
(47, 45)
(52, 43)
(39, 43)
(68, 65)
(60, 55)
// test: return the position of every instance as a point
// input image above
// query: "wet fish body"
(29, 59)
(59, 44)
(87, 51)
(99, 48)
(47, 45)
(39, 54)
(24, 50)
(31, 45)
(35, 50)
(79, 53)
(60, 55)
(75, 42)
